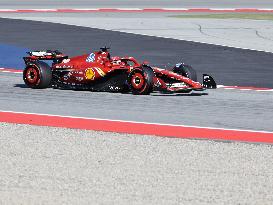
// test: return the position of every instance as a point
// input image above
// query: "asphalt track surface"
(138, 4)
(248, 110)
(220, 108)
(229, 66)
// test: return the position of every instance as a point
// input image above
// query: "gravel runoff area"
(42, 165)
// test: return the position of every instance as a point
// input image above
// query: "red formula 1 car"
(98, 71)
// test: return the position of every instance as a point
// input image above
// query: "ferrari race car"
(98, 71)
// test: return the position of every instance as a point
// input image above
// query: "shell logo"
(89, 74)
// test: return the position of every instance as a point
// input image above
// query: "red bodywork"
(90, 68)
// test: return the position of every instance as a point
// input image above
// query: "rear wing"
(56, 56)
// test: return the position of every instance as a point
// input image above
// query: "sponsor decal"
(89, 74)
(178, 85)
(64, 66)
(157, 84)
(67, 76)
(66, 60)
(100, 72)
(91, 58)
(79, 78)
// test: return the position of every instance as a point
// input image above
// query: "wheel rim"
(32, 75)
(137, 81)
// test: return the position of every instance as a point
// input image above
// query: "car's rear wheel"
(140, 81)
(37, 75)
(186, 71)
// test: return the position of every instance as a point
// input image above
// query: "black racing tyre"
(140, 80)
(186, 71)
(37, 75)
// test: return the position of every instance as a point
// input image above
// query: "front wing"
(169, 81)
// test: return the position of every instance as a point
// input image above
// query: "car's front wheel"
(140, 81)
(186, 71)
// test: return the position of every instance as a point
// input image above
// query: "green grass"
(254, 16)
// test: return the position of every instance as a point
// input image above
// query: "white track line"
(245, 88)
